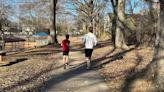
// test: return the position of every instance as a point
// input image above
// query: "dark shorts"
(66, 53)
(88, 52)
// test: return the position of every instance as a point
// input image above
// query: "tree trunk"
(91, 7)
(114, 25)
(114, 21)
(2, 42)
(53, 32)
(120, 34)
(159, 52)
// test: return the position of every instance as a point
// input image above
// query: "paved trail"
(76, 78)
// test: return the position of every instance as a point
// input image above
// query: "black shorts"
(88, 52)
(66, 53)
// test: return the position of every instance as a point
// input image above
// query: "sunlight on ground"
(119, 69)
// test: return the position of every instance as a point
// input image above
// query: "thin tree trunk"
(2, 42)
(91, 7)
(53, 32)
(114, 21)
(114, 24)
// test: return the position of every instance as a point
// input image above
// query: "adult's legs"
(88, 59)
(88, 54)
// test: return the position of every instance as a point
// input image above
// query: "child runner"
(65, 49)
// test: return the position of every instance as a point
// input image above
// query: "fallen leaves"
(123, 74)
(25, 75)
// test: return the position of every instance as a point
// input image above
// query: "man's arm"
(95, 41)
(84, 39)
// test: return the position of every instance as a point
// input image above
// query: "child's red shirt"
(65, 45)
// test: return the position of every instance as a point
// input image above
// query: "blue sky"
(137, 5)
(12, 3)
(137, 9)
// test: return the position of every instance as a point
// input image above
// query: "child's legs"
(64, 59)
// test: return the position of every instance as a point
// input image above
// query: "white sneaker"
(88, 64)
(88, 68)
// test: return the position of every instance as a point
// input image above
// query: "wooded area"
(127, 23)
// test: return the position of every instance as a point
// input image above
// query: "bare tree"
(114, 20)
(5, 12)
(158, 59)
(41, 13)
(53, 31)
(118, 26)
(34, 13)
(156, 69)
(89, 12)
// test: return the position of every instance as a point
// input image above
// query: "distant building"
(28, 29)
(156, 5)
(13, 31)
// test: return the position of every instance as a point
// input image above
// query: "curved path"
(75, 78)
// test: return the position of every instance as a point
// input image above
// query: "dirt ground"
(123, 70)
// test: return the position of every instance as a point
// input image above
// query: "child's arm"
(62, 43)
(69, 45)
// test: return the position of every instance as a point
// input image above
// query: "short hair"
(67, 36)
(91, 29)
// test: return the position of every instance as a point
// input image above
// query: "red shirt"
(65, 45)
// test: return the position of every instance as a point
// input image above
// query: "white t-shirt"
(89, 40)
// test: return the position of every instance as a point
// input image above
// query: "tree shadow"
(134, 75)
(15, 61)
(70, 73)
(131, 74)
(32, 54)
(105, 59)
(80, 69)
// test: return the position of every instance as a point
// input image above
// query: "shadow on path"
(74, 78)
(64, 76)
